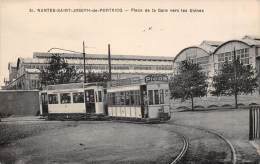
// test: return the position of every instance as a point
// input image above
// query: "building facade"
(122, 66)
(247, 49)
(211, 55)
(200, 54)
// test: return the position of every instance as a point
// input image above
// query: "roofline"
(15, 90)
(189, 48)
(221, 45)
(126, 57)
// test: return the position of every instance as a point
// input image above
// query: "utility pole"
(235, 76)
(109, 63)
(84, 63)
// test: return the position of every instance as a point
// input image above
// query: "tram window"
(99, 98)
(110, 99)
(117, 97)
(122, 98)
(156, 97)
(132, 98)
(113, 97)
(137, 98)
(96, 94)
(65, 98)
(166, 92)
(161, 96)
(78, 97)
(91, 98)
(127, 98)
(150, 96)
(53, 98)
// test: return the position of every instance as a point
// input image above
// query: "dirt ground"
(34, 141)
(85, 142)
(232, 123)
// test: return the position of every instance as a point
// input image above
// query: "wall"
(217, 102)
(17, 102)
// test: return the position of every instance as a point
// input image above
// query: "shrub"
(251, 104)
(199, 106)
(183, 107)
(226, 105)
(212, 106)
(241, 104)
(4, 115)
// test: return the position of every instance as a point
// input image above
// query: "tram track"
(183, 150)
(231, 147)
(202, 145)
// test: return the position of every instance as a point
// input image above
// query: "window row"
(35, 84)
(156, 97)
(105, 67)
(124, 98)
(242, 54)
(133, 98)
(65, 98)
(200, 60)
(35, 66)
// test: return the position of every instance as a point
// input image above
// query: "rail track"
(231, 147)
(183, 150)
(189, 153)
(186, 143)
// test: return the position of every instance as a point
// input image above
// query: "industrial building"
(122, 66)
(210, 55)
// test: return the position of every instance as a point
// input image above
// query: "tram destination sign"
(156, 77)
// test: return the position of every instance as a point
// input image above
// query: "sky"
(24, 29)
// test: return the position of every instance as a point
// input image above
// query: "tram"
(134, 99)
(75, 101)
(144, 99)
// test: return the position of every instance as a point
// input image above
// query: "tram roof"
(72, 86)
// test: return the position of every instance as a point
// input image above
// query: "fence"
(254, 122)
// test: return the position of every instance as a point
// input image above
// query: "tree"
(190, 82)
(234, 78)
(58, 71)
(96, 77)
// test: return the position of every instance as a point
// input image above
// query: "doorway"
(44, 103)
(90, 101)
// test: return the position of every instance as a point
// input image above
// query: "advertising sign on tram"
(156, 77)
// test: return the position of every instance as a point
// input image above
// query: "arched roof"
(246, 42)
(189, 48)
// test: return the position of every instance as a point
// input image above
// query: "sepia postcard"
(88, 81)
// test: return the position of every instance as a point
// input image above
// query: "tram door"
(90, 101)
(44, 103)
(144, 101)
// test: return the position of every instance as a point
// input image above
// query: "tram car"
(139, 99)
(73, 101)
(134, 99)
